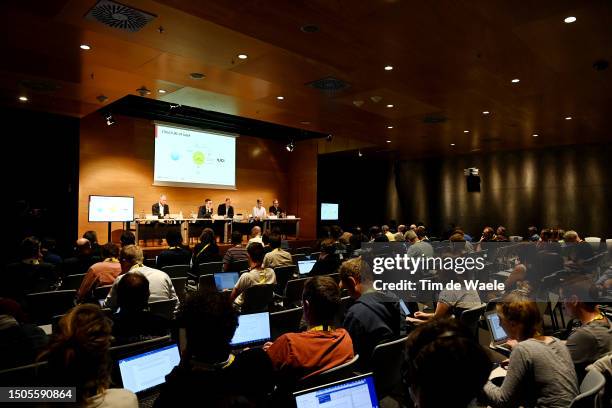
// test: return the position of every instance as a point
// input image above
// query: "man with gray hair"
(387, 232)
(160, 284)
(399, 235)
(161, 209)
(417, 247)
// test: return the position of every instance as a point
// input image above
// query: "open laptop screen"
(306, 266)
(498, 332)
(356, 392)
(147, 370)
(252, 328)
(226, 280)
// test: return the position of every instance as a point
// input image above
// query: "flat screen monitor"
(111, 208)
(252, 328)
(329, 212)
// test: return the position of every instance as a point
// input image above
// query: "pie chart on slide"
(199, 158)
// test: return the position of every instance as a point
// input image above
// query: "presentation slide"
(194, 158)
(111, 208)
(329, 211)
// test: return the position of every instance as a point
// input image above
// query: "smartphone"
(404, 307)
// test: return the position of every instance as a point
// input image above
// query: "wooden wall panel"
(118, 160)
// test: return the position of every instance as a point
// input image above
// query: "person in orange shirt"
(101, 273)
(322, 346)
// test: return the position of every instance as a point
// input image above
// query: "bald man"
(83, 259)
(161, 209)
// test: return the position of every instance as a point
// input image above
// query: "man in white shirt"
(161, 209)
(255, 236)
(160, 284)
(259, 212)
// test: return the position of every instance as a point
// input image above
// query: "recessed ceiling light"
(452, 144)
(389, 68)
(516, 81)
(535, 135)
(466, 131)
(161, 91)
(389, 127)
(197, 75)
(485, 112)
(570, 19)
(568, 118)
(243, 56)
(85, 47)
(388, 141)
(390, 105)
(280, 98)
(23, 98)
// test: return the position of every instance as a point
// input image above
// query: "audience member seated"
(47, 249)
(206, 250)
(265, 240)
(277, 256)
(127, 238)
(459, 236)
(257, 274)
(134, 322)
(532, 234)
(82, 261)
(255, 236)
(444, 366)
(421, 232)
(101, 273)
(417, 247)
(355, 243)
(540, 369)
(20, 342)
(523, 271)
(92, 237)
(160, 284)
(209, 372)
(501, 235)
(400, 235)
(78, 357)
(28, 275)
(301, 355)
(374, 232)
(385, 230)
(328, 261)
(177, 254)
(593, 339)
(236, 253)
(374, 317)
(450, 302)
(577, 253)
(335, 232)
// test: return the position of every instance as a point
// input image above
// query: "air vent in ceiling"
(120, 16)
(38, 85)
(329, 85)
(434, 119)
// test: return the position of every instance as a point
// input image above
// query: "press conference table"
(156, 229)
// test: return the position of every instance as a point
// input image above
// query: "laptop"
(498, 334)
(253, 330)
(143, 373)
(306, 266)
(226, 280)
(355, 392)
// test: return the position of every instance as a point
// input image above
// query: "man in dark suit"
(161, 209)
(275, 209)
(206, 210)
(226, 209)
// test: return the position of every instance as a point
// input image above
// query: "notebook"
(355, 392)
(226, 280)
(253, 329)
(306, 266)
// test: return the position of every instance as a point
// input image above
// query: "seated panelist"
(259, 211)
(226, 209)
(275, 209)
(161, 209)
(206, 210)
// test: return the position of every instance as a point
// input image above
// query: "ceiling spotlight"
(389, 127)
(570, 19)
(23, 98)
(174, 106)
(485, 112)
(242, 56)
(329, 137)
(290, 146)
(102, 98)
(161, 91)
(535, 135)
(516, 81)
(389, 68)
(388, 141)
(85, 47)
(390, 105)
(466, 131)
(359, 153)
(280, 98)
(196, 75)
(568, 118)
(143, 91)
(452, 144)
(109, 119)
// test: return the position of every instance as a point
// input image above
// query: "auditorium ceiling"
(320, 66)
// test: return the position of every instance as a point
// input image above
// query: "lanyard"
(322, 327)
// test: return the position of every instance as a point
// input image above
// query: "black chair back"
(315, 255)
(303, 250)
(285, 321)
(337, 373)
(139, 346)
(283, 275)
(44, 305)
(163, 308)
(238, 266)
(471, 317)
(24, 376)
(298, 257)
(207, 282)
(72, 281)
(257, 298)
(386, 363)
(293, 292)
(177, 271)
(180, 285)
(210, 268)
(101, 292)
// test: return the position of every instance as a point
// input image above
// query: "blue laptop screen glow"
(353, 393)
(252, 328)
(306, 266)
(498, 331)
(147, 370)
(226, 280)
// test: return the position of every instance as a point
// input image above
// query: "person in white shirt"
(259, 211)
(257, 274)
(160, 284)
(255, 236)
